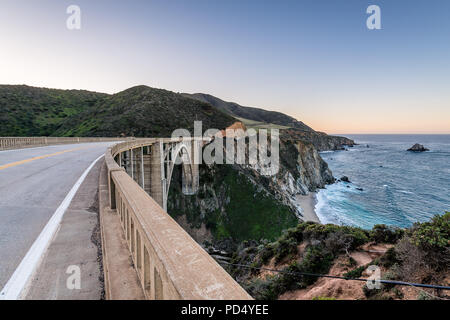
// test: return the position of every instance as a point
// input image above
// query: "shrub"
(433, 235)
(423, 295)
(262, 289)
(355, 273)
(381, 233)
(267, 253)
(338, 241)
(433, 240)
(371, 293)
(290, 279)
(351, 262)
(285, 248)
(318, 232)
(315, 260)
(389, 258)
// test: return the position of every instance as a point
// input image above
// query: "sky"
(315, 60)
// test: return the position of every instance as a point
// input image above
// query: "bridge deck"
(33, 183)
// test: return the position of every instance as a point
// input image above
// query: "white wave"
(332, 194)
(406, 192)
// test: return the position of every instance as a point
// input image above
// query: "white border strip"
(21, 276)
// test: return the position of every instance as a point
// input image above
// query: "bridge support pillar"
(138, 174)
(126, 161)
(147, 160)
(157, 174)
(142, 173)
(196, 155)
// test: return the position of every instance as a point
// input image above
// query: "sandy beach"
(308, 203)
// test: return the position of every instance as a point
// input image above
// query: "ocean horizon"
(389, 185)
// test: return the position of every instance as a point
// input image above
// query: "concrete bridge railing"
(168, 262)
(21, 142)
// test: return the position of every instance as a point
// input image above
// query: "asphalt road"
(33, 183)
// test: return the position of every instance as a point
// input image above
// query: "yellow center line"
(13, 164)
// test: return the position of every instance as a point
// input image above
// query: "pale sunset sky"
(312, 59)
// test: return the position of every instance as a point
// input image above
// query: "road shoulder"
(73, 251)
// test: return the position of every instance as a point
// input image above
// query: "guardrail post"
(112, 191)
(142, 168)
(132, 163)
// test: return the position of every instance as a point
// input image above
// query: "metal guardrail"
(168, 262)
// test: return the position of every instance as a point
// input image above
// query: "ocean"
(399, 187)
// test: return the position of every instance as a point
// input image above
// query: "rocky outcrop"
(418, 148)
(321, 141)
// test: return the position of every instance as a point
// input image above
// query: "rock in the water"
(360, 189)
(345, 179)
(418, 148)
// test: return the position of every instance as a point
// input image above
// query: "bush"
(433, 240)
(423, 295)
(267, 253)
(433, 235)
(371, 293)
(315, 260)
(318, 232)
(285, 248)
(355, 273)
(261, 289)
(389, 258)
(381, 233)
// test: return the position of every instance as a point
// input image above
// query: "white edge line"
(21, 276)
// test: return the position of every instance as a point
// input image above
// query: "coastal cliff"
(237, 202)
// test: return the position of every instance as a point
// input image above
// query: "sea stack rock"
(418, 148)
(345, 179)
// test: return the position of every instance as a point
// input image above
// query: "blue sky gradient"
(314, 60)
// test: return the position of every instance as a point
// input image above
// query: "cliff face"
(237, 202)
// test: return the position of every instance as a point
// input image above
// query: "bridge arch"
(181, 153)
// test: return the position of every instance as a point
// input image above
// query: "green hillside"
(29, 111)
(250, 114)
(143, 112)
(139, 111)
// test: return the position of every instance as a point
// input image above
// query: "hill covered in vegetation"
(250, 113)
(419, 254)
(144, 112)
(139, 111)
(30, 111)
